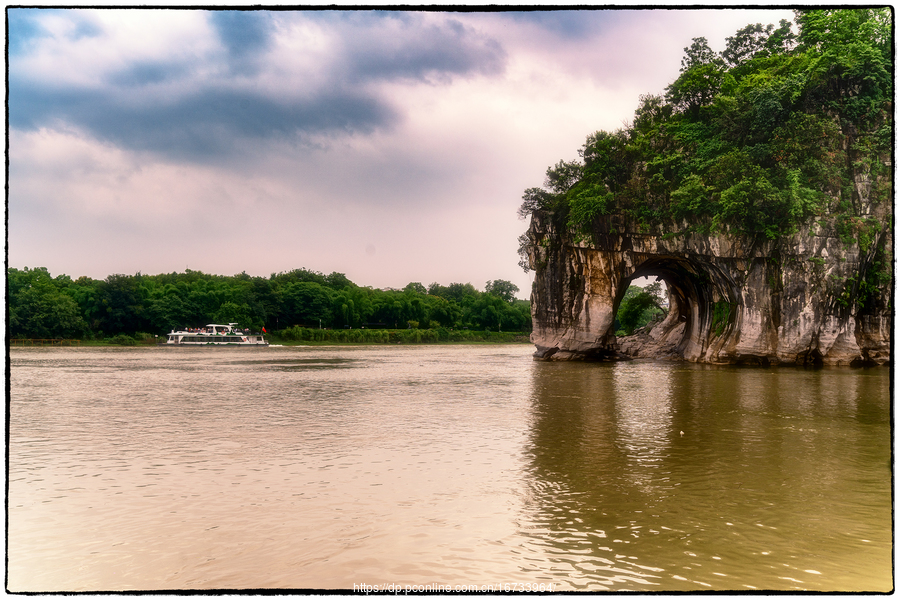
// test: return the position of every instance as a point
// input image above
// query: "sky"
(391, 146)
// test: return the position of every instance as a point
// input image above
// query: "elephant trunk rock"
(733, 299)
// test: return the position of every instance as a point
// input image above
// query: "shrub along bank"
(394, 336)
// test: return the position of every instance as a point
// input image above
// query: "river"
(325, 468)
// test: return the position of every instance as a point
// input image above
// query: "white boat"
(216, 335)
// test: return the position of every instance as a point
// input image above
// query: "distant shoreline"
(522, 338)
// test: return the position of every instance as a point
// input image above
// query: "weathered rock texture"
(804, 299)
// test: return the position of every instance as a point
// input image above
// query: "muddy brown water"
(462, 466)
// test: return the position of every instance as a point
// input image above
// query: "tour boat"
(216, 335)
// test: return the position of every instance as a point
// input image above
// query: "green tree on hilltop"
(756, 140)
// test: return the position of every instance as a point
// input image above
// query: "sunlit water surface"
(329, 467)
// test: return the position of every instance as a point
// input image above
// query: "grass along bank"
(301, 335)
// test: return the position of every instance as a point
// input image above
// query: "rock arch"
(704, 302)
(732, 299)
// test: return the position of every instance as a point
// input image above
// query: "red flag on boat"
(264, 330)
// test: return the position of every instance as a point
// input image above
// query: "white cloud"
(425, 166)
(82, 48)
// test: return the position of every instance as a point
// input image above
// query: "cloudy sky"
(389, 146)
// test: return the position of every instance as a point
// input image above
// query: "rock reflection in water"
(323, 467)
(654, 476)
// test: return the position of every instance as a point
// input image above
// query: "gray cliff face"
(813, 298)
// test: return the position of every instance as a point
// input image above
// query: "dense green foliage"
(754, 140)
(638, 307)
(42, 306)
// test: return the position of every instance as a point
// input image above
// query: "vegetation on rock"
(755, 140)
(758, 187)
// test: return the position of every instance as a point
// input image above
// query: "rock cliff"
(816, 297)
(759, 187)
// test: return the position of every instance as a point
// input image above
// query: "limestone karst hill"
(759, 187)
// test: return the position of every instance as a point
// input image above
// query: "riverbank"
(395, 336)
(301, 336)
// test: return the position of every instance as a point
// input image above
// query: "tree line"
(756, 139)
(40, 305)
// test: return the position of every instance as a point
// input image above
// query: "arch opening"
(701, 304)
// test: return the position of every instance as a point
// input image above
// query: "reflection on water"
(322, 468)
(682, 477)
